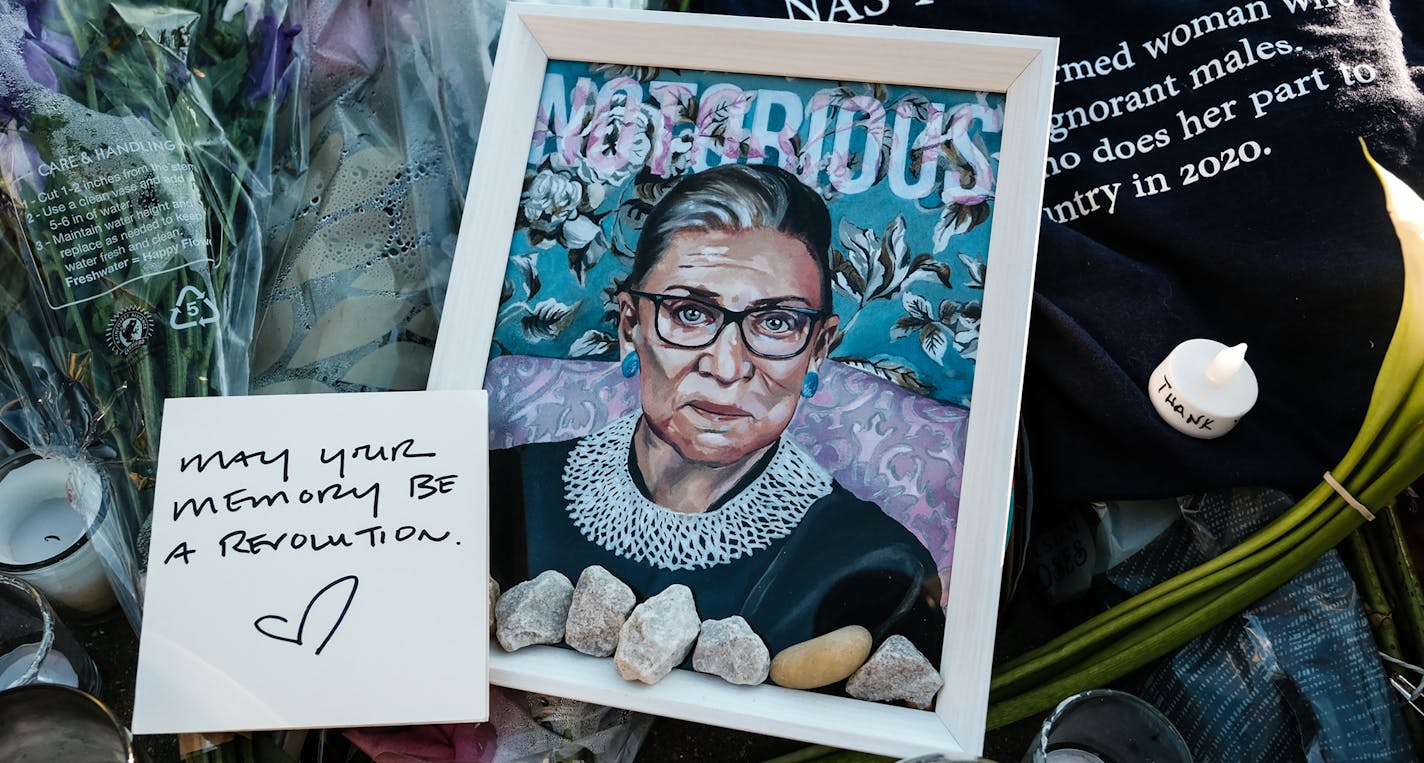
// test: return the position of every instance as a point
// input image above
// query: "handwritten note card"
(317, 561)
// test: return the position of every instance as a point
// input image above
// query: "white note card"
(317, 561)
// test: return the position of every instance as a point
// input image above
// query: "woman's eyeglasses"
(775, 333)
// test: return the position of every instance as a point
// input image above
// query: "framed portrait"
(751, 298)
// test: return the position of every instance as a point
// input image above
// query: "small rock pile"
(600, 617)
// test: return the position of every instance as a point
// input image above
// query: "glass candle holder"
(1107, 726)
(40, 723)
(45, 526)
(35, 647)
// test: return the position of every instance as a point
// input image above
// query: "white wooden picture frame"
(1021, 69)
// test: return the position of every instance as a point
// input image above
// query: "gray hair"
(736, 197)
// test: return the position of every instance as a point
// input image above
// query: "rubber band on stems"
(1350, 499)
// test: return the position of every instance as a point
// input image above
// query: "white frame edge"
(1021, 68)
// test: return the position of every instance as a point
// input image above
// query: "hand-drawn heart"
(302, 626)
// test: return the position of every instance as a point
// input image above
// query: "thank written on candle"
(319, 487)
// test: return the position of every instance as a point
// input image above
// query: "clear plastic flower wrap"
(362, 228)
(136, 145)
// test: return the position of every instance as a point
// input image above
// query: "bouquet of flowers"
(361, 233)
(137, 142)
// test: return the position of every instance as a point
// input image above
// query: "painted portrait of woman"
(724, 324)
(736, 344)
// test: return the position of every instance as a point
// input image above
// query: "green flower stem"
(1172, 630)
(1410, 600)
(1274, 540)
(1381, 616)
(1372, 597)
(1278, 538)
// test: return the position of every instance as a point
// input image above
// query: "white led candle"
(1202, 388)
(43, 533)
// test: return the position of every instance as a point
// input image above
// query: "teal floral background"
(908, 175)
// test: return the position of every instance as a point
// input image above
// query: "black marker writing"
(244, 542)
(306, 614)
(181, 551)
(241, 458)
(423, 483)
(240, 542)
(378, 535)
(337, 492)
(372, 453)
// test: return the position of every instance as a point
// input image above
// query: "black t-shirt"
(1232, 202)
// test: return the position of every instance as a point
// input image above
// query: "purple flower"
(38, 47)
(268, 58)
(19, 159)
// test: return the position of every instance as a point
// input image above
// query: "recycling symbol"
(189, 312)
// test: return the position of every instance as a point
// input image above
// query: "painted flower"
(640, 73)
(671, 150)
(970, 166)
(963, 321)
(550, 200)
(579, 233)
(617, 140)
(557, 207)
(838, 168)
(969, 176)
(679, 155)
(720, 119)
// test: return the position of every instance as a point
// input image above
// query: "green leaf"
(933, 341)
(425, 324)
(384, 275)
(347, 243)
(362, 176)
(894, 371)
(396, 366)
(354, 321)
(294, 387)
(274, 336)
(321, 169)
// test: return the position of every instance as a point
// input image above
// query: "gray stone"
(534, 611)
(493, 599)
(896, 672)
(728, 648)
(600, 605)
(657, 636)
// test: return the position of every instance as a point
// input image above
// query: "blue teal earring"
(631, 364)
(810, 384)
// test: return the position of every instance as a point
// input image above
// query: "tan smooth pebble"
(823, 660)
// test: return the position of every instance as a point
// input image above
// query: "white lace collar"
(611, 511)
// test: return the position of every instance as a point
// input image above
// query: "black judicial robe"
(846, 562)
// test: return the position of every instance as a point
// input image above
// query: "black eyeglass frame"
(730, 317)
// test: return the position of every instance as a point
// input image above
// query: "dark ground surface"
(114, 647)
